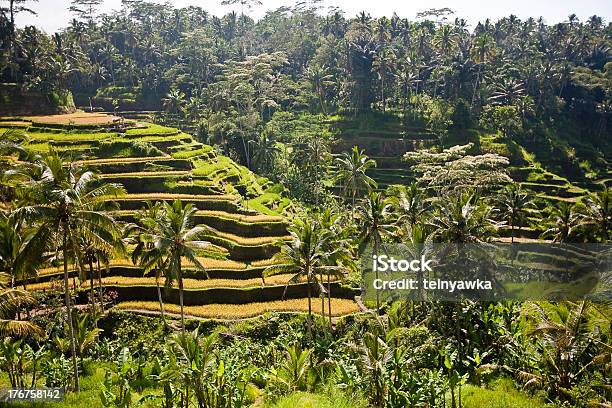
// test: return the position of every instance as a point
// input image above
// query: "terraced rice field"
(157, 163)
(188, 283)
(77, 118)
(387, 141)
(340, 307)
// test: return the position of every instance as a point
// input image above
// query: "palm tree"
(409, 205)
(306, 256)
(85, 332)
(515, 206)
(376, 353)
(175, 237)
(293, 373)
(264, 151)
(507, 92)
(562, 222)
(20, 254)
(482, 51)
(445, 39)
(568, 347)
(100, 248)
(596, 214)
(374, 215)
(66, 207)
(319, 79)
(144, 252)
(195, 355)
(418, 240)
(338, 248)
(11, 300)
(383, 65)
(462, 219)
(351, 172)
(174, 101)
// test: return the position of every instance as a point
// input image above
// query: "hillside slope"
(157, 163)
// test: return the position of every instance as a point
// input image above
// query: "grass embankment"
(70, 137)
(189, 154)
(241, 218)
(120, 160)
(147, 129)
(340, 307)
(208, 263)
(188, 283)
(245, 241)
(147, 174)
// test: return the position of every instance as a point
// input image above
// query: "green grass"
(490, 144)
(499, 394)
(85, 137)
(308, 400)
(88, 397)
(188, 154)
(157, 138)
(210, 168)
(152, 129)
(44, 147)
(269, 203)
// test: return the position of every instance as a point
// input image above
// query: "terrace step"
(223, 269)
(554, 190)
(340, 307)
(137, 165)
(225, 203)
(174, 182)
(235, 296)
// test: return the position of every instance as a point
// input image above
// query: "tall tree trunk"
(329, 309)
(69, 310)
(309, 309)
(322, 295)
(161, 302)
(475, 88)
(382, 92)
(100, 298)
(180, 280)
(322, 103)
(91, 299)
(376, 277)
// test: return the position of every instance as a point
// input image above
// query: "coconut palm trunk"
(376, 277)
(92, 299)
(159, 297)
(69, 310)
(329, 309)
(100, 298)
(322, 295)
(180, 282)
(309, 294)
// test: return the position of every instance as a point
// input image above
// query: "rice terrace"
(304, 207)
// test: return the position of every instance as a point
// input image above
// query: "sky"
(54, 14)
